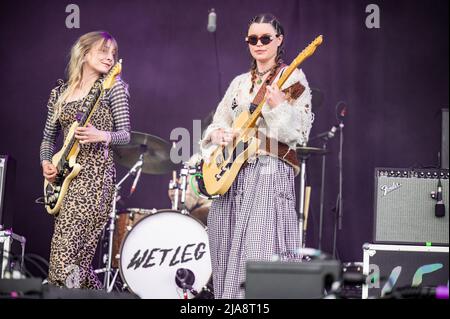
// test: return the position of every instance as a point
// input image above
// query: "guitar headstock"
(308, 51)
(108, 82)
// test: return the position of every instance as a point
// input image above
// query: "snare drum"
(163, 253)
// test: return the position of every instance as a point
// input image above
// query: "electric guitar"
(224, 164)
(65, 159)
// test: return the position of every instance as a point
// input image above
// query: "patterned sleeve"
(119, 99)
(51, 129)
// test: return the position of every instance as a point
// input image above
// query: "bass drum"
(164, 253)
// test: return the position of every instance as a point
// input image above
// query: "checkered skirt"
(254, 220)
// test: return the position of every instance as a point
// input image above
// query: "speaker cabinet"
(290, 280)
(405, 207)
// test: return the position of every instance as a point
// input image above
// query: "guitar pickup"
(223, 170)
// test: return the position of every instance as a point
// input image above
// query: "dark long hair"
(273, 21)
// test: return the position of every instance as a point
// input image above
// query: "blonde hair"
(74, 68)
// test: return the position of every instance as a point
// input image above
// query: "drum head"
(162, 252)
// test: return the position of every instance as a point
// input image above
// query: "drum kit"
(163, 253)
(159, 253)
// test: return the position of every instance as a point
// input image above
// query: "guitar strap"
(270, 146)
(262, 90)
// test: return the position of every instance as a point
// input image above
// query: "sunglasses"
(265, 39)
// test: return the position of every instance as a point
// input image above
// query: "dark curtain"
(393, 79)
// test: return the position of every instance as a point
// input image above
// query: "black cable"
(40, 258)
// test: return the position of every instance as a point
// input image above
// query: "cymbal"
(307, 150)
(156, 153)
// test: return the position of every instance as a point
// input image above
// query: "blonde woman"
(86, 205)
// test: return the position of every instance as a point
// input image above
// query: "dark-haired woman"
(256, 218)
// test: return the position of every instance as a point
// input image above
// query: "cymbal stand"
(110, 278)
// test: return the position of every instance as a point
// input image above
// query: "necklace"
(261, 74)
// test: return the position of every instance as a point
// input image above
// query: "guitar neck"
(90, 103)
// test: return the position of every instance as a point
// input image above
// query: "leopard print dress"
(85, 207)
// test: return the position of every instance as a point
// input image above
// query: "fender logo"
(388, 189)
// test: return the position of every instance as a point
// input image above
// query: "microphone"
(212, 18)
(331, 132)
(341, 111)
(326, 135)
(439, 208)
(138, 175)
(136, 179)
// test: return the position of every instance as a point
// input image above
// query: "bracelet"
(108, 137)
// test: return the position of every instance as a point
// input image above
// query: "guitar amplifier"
(405, 206)
(7, 181)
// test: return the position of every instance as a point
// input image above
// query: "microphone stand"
(339, 204)
(219, 75)
(325, 136)
(216, 51)
(322, 195)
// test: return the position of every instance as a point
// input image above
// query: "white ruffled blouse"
(289, 122)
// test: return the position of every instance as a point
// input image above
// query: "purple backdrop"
(394, 80)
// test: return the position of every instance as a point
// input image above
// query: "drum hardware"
(144, 153)
(173, 185)
(155, 150)
(111, 274)
(303, 153)
(185, 171)
(156, 241)
(192, 171)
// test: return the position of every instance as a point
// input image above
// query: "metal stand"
(301, 208)
(110, 274)
(173, 185)
(325, 136)
(322, 198)
(185, 171)
(339, 204)
(7, 237)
